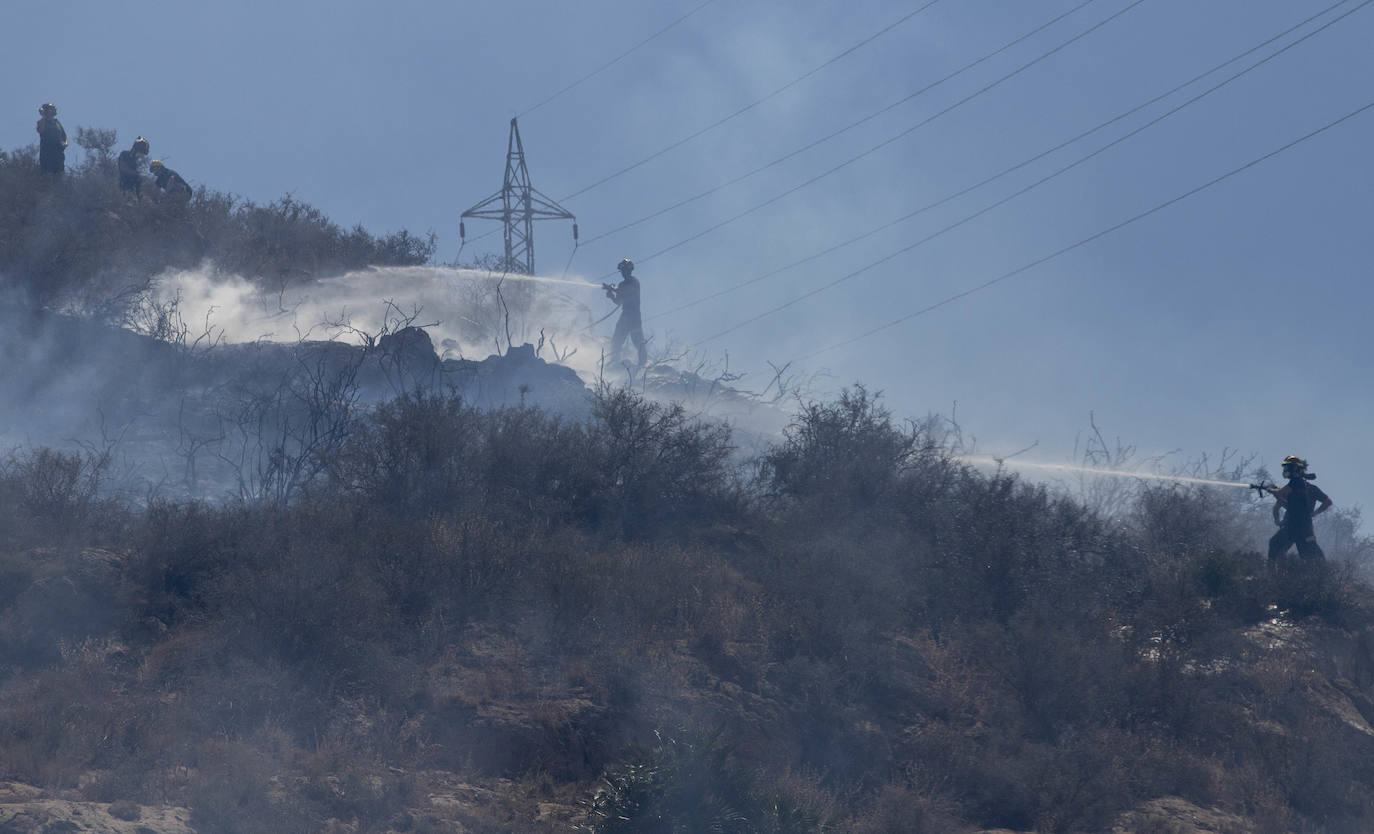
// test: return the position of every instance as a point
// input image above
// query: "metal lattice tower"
(518, 204)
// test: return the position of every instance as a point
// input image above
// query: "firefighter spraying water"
(626, 297)
(1296, 503)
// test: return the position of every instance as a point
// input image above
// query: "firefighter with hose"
(625, 295)
(1295, 505)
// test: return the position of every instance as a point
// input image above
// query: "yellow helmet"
(155, 165)
(1295, 462)
(626, 266)
(141, 146)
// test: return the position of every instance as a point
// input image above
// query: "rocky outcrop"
(1179, 816)
(27, 810)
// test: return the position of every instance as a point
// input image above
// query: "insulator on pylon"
(574, 232)
(517, 205)
(462, 232)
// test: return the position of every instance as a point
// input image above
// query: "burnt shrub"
(50, 497)
(180, 551)
(55, 485)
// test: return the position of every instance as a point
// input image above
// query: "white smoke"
(467, 313)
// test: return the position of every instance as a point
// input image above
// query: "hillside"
(426, 594)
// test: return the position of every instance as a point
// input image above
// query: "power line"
(1085, 241)
(893, 139)
(956, 224)
(710, 127)
(1030, 160)
(615, 60)
(847, 128)
(888, 28)
(1042, 180)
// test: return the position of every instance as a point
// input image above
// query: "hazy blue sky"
(1238, 318)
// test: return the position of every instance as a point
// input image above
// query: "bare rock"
(25, 810)
(1178, 815)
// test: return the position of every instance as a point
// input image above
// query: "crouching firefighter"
(1295, 504)
(626, 297)
(170, 182)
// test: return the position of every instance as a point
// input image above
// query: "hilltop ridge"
(364, 587)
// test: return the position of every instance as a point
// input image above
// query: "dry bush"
(49, 496)
(659, 471)
(898, 809)
(847, 451)
(235, 791)
(507, 594)
(126, 810)
(695, 783)
(636, 469)
(79, 242)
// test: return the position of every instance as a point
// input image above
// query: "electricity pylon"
(518, 204)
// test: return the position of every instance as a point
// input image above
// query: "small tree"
(97, 142)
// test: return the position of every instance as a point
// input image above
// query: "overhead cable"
(589, 75)
(1085, 241)
(956, 224)
(845, 129)
(746, 108)
(1028, 160)
(892, 139)
(615, 60)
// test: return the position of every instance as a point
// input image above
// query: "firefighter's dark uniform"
(1296, 528)
(129, 179)
(626, 294)
(171, 184)
(52, 145)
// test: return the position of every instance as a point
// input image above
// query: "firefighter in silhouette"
(1295, 504)
(169, 182)
(626, 297)
(52, 141)
(129, 163)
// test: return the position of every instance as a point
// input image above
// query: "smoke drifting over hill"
(211, 375)
(465, 309)
(330, 548)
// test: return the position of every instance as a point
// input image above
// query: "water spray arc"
(517, 205)
(987, 460)
(460, 274)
